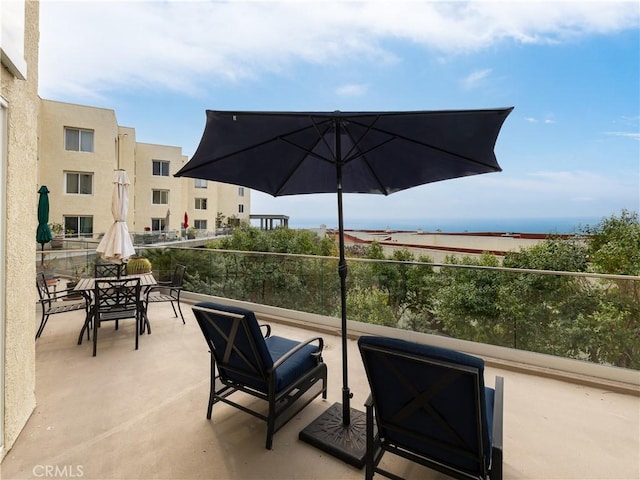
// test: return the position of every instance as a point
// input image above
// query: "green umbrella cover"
(43, 233)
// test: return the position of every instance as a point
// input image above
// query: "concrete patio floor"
(129, 414)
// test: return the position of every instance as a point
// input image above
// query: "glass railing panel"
(574, 315)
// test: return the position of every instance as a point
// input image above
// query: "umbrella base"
(346, 442)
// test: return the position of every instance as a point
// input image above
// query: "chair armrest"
(369, 402)
(268, 328)
(298, 347)
(65, 293)
(68, 291)
(498, 403)
(496, 450)
(152, 288)
(159, 286)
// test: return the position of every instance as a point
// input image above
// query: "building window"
(160, 168)
(241, 208)
(158, 224)
(200, 224)
(78, 226)
(201, 203)
(241, 191)
(78, 183)
(77, 140)
(199, 183)
(160, 197)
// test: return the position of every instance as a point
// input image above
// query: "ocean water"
(456, 225)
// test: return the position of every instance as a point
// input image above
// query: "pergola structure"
(268, 222)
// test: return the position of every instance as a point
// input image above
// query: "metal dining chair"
(116, 299)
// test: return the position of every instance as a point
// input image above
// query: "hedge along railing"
(586, 316)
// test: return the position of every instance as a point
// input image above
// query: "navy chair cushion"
(300, 362)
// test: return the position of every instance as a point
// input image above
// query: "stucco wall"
(20, 190)
(55, 160)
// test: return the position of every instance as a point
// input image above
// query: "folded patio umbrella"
(116, 245)
(43, 232)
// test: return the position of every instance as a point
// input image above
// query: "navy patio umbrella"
(291, 153)
(43, 232)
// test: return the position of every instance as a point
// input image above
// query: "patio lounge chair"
(51, 304)
(277, 370)
(430, 405)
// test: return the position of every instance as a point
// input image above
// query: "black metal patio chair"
(116, 299)
(63, 301)
(280, 371)
(112, 270)
(430, 405)
(167, 291)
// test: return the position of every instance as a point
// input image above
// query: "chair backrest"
(43, 288)
(177, 277)
(236, 342)
(112, 270)
(430, 401)
(117, 297)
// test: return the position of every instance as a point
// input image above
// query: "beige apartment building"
(80, 147)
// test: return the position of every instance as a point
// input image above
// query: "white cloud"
(476, 78)
(95, 46)
(632, 135)
(352, 90)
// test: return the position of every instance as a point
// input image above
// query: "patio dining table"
(86, 285)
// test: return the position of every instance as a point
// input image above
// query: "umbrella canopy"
(116, 245)
(43, 232)
(185, 224)
(290, 153)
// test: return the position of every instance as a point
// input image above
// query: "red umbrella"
(186, 220)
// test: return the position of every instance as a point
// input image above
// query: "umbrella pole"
(342, 272)
(340, 430)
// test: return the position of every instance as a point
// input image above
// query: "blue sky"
(570, 148)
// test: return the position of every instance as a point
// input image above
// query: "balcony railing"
(583, 316)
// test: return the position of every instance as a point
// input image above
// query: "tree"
(543, 307)
(614, 328)
(468, 302)
(406, 283)
(614, 246)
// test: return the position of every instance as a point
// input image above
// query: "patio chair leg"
(138, 319)
(43, 322)
(95, 336)
(180, 310)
